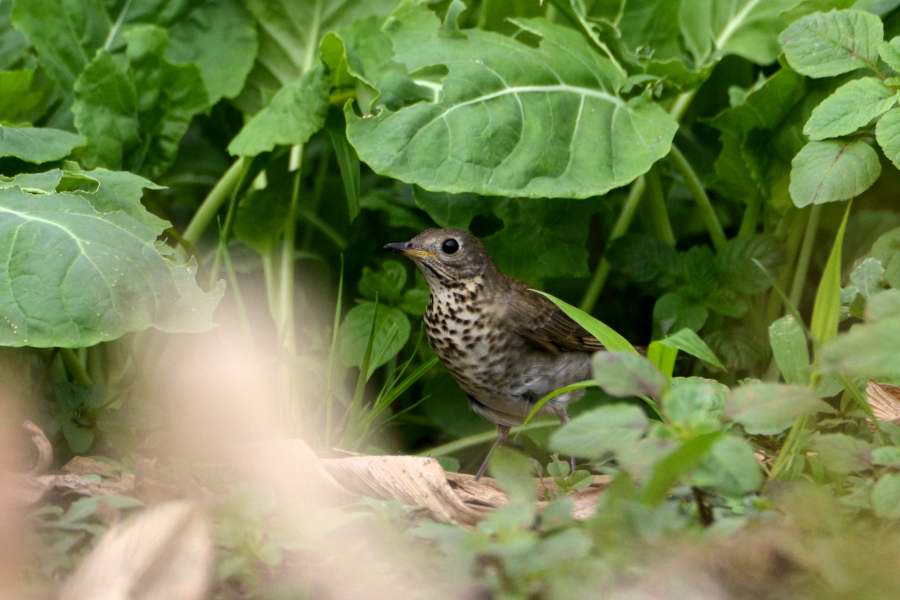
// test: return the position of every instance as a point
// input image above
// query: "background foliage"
(716, 177)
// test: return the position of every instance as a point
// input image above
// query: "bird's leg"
(502, 434)
(563, 415)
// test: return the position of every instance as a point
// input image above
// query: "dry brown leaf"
(164, 553)
(42, 445)
(885, 401)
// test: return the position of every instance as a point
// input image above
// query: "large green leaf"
(695, 404)
(748, 28)
(827, 44)
(850, 107)
(832, 170)
(730, 468)
(511, 119)
(887, 132)
(296, 112)
(64, 33)
(37, 144)
(136, 114)
(86, 267)
(886, 496)
(23, 97)
(289, 36)
(219, 37)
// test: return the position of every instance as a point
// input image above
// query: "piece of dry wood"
(164, 553)
(447, 497)
(43, 447)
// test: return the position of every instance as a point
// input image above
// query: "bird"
(506, 345)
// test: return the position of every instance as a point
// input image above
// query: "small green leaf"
(851, 106)
(676, 465)
(770, 408)
(827, 44)
(841, 453)
(672, 311)
(730, 468)
(512, 471)
(890, 53)
(391, 333)
(689, 342)
(887, 132)
(387, 282)
(833, 170)
(790, 350)
(866, 351)
(599, 431)
(886, 496)
(745, 264)
(610, 339)
(887, 456)
(625, 374)
(295, 113)
(695, 403)
(662, 357)
(37, 144)
(261, 218)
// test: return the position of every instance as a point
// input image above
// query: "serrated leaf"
(770, 408)
(689, 342)
(827, 44)
(851, 106)
(790, 349)
(391, 333)
(695, 403)
(765, 106)
(497, 128)
(746, 265)
(624, 374)
(886, 496)
(37, 144)
(599, 431)
(832, 171)
(86, 267)
(841, 453)
(887, 132)
(730, 468)
(295, 113)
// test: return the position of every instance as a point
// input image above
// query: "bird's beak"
(407, 249)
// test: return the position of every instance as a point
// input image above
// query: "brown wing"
(540, 322)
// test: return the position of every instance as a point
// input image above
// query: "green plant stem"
(330, 232)
(225, 232)
(268, 264)
(789, 449)
(750, 220)
(75, 367)
(695, 186)
(332, 357)
(659, 213)
(213, 202)
(483, 438)
(802, 268)
(626, 215)
(286, 269)
(578, 385)
(235, 286)
(316, 198)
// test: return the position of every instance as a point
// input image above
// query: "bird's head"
(445, 255)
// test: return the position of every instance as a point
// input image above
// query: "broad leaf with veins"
(77, 268)
(509, 118)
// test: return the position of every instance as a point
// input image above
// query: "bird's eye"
(450, 246)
